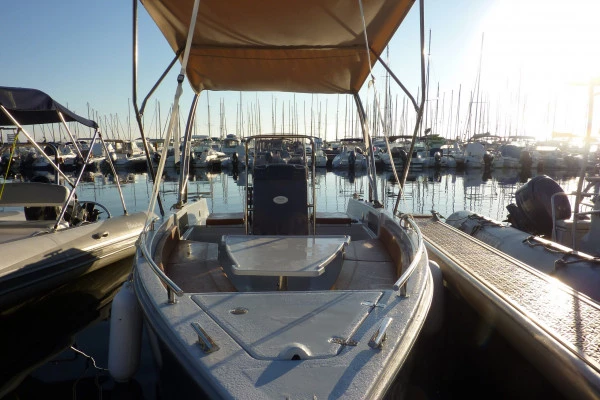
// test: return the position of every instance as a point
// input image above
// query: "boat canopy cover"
(32, 106)
(304, 46)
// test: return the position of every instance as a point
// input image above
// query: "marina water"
(61, 347)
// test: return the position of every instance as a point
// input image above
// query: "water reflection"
(485, 192)
(39, 331)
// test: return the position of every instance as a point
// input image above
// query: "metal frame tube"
(313, 169)
(138, 114)
(588, 135)
(422, 105)
(184, 168)
(62, 118)
(370, 156)
(114, 171)
(72, 192)
(32, 141)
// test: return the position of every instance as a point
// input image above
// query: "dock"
(556, 328)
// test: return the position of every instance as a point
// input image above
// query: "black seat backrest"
(280, 200)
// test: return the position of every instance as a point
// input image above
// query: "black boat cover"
(32, 106)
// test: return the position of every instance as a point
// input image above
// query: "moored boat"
(48, 236)
(281, 298)
(540, 294)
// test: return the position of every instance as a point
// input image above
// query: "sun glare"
(534, 51)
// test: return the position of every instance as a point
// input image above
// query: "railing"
(172, 288)
(400, 284)
(575, 214)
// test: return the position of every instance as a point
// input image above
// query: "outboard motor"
(234, 160)
(532, 212)
(351, 160)
(525, 159)
(488, 158)
(403, 157)
(437, 159)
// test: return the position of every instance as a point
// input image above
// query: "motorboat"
(320, 159)
(127, 154)
(349, 158)
(63, 153)
(49, 236)
(278, 298)
(211, 159)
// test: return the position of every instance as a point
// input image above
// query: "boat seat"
(366, 275)
(333, 218)
(234, 218)
(367, 250)
(280, 202)
(194, 267)
(33, 194)
(166, 244)
(374, 263)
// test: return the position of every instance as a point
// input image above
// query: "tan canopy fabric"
(305, 46)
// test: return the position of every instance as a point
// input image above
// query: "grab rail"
(400, 284)
(576, 214)
(172, 288)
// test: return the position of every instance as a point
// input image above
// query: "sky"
(519, 66)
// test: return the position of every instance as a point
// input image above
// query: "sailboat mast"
(208, 112)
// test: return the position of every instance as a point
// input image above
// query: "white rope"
(375, 98)
(174, 121)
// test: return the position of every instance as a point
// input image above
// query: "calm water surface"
(444, 191)
(58, 371)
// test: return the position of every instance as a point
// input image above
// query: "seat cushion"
(233, 218)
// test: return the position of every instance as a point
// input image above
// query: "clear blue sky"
(79, 52)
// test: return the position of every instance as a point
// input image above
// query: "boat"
(543, 231)
(128, 154)
(349, 158)
(535, 277)
(61, 152)
(320, 159)
(279, 298)
(48, 236)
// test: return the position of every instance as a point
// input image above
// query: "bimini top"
(305, 46)
(31, 106)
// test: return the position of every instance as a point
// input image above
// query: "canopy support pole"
(138, 115)
(394, 77)
(370, 156)
(185, 161)
(421, 106)
(75, 144)
(38, 148)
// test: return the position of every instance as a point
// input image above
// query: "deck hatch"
(290, 325)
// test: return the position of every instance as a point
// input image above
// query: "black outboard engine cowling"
(488, 158)
(437, 157)
(533, 210)
(526, 159)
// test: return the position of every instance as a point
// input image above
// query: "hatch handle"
(207, 344)
(378, 337)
